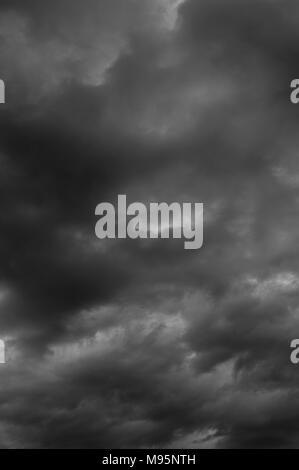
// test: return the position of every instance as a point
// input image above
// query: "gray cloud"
(140, 343)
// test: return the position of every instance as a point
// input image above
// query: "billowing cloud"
(139, 343)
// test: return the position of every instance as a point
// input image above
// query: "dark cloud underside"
(141, 343)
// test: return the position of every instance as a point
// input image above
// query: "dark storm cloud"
(142, 343)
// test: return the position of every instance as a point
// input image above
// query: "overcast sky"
(140, 343)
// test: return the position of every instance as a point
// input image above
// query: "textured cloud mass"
(140, 343)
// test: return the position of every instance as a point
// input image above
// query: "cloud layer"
(141, 343)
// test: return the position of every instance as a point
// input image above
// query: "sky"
(140, 343)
